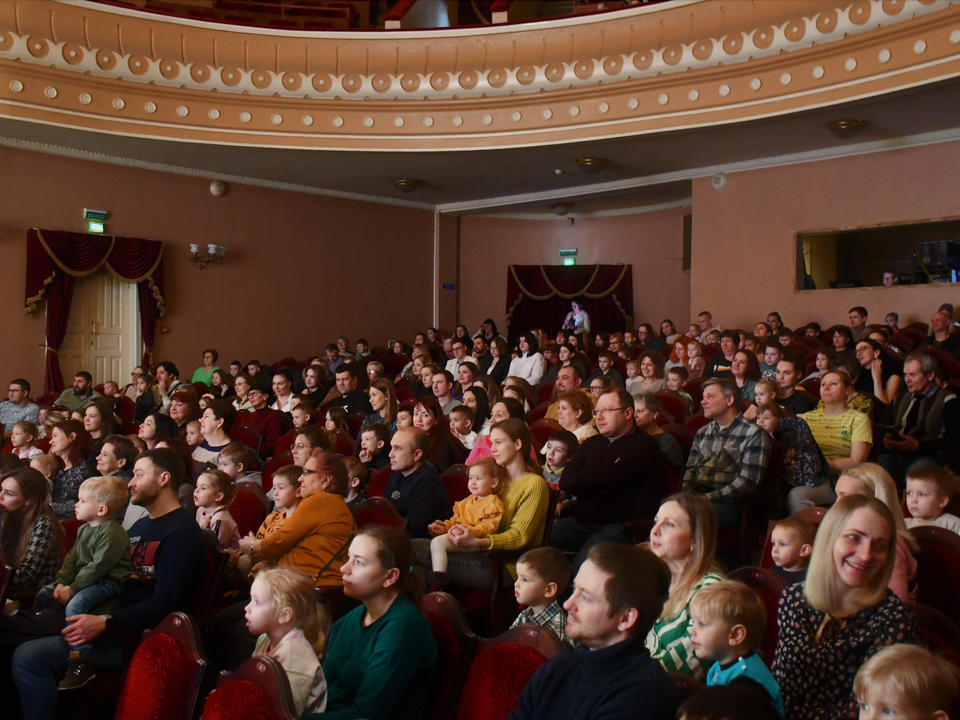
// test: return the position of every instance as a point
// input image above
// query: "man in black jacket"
(167, 551)
(352, 399)
(414, 487)
(618, 595)
(616, 476)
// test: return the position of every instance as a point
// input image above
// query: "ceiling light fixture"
(406, 185)
(591, 165)
(561, 209)
(847, 129)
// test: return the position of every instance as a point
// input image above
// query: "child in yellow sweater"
(480, 513)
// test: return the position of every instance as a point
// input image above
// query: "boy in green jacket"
(95, 569)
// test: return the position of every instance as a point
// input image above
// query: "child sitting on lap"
(727, 624)
(95, 569)
(905, 681)
(792, 541)
(212, 497)
(480, 514)
(929, 491)
(542, 575)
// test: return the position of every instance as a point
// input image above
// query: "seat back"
(500, 670)
(696, 421)
(354, 421)
(257, 689)
(248, 435)
(279, 461)
(125, 409)
(378, 511)
(71, 526)
(553, 499)
(247, 511)
(682, 435)
(212, 582)
(545, 392)
(456, 643)
(454, 480)
(378, 482)
(938, 569)
(284, 442)
(673, 405)
(538, 413)
(768, 586)
(167, 673)
(343, 443)
(541, 430)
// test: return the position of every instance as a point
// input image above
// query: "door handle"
(93, 327)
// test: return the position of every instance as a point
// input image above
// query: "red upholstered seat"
(378, 482)
(257, 690)
(768, 587)
(537, 413)
(279, 461)
(938, 569)
(248, 435)
(378, 511)
(343, 443)
(71, 526)
(284, 442)
(166, 674)
(354, 421)
(541, 430)
(247, 511)
(454, 480)
(209, 595)
(673, 405)
(455, 645)
(125, 409)
(695, 422)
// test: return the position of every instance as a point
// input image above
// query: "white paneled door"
(103, 333)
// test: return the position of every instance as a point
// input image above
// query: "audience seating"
(258, 690)
(378, 511)
(394, 365)
(378, 482)
(354, 421)
(938, 569)
(456, 643)
(343, 443)
(768, 586)
(501, 669)
(247, 510)
(279, 461)
(541, 430)
(544, 392)
(683, 436)
(537, 413)
(694, 389)
(284, 442)
(258, 492)
(125, 409)
(167, 675)
(686, 684)
(71, 526)
(936, 625)
(195, 468)
(454, 480)
(212, 580)
(248, 435)
(673, 405)
(696, 421)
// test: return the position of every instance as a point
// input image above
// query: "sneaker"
(79, 672)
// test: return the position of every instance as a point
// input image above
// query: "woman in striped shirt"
(684, 536)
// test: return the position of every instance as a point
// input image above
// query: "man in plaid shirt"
(729, 455)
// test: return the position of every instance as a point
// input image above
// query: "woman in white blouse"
(529, 365)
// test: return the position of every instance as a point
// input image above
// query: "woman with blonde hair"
(842, 614)
(844, 435)
(684, 536)
(872, 480)
(574, 413)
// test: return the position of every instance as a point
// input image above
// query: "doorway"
(103, 332)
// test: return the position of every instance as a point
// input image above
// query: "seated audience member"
(262, 419)
(261, 377)
(743, 700)
(414, 486)
(381, 657)
(236, 367)
(352, 398)
(651, 370)
(282, 385)
(542, 578)
(460, 355)
(843, 342)
(301, 413)
(676, 378)
(166, 549)
(892, 320)
(606, 361)
(524, 392)
(772, 355)
(80, 395)
(424, 388)
(184, 409)
(823, 360)
(503, 409)
(168, 383)
(728, 623)
(70, 442)
(333, 359)
(31, 536)
(192, 435)
(790, 395)
(147, 398)
(617, 596)
(111, 390)
(791, 544)
(22, 438)
(763, 332)
(284, 613)
(929, 491)
(336, 419)
(634, 378)
(567, 355)
(461, 425)
(843, 614)
(646, 413)
(212, 496)
(94, 570)
(481, 352)
(375, 447)
(684, 536)
(569, 378)
(745, 372)
(17, 407)
(858, 323)
(383, 402)
(529, 364)
(559, 450)
(786, 337)
(242, 384)
(316, 383)
(357, 475)
(906, 681)
(442, 449)
(943, 335)
(880, 374)
(718, 366)
(844, 435)
(204, 373)
(696, 364)
(603, 476)
(490, 388)
(575, 414)
(476, 399)
(871, 480)
(443, 387)
(500, 364)
(239, 462)
(926, 420)
(647, 337)
(215, 423)
(221, 384)
(286, 499)
(729, 455)
(480, 513)
(805, 470)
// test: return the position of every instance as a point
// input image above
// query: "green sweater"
(380, 672)
(100, 553)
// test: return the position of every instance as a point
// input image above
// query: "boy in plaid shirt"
(542, 575)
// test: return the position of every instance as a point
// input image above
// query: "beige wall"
(300, 269)
(651, 242)
(744, 247)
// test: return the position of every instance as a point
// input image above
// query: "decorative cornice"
(674, 66)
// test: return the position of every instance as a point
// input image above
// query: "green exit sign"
(99, 215)
(568, 252)
(569, 261)
(94, 226)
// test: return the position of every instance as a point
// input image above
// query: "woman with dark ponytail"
(381, 657)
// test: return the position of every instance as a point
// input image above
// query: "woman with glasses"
(879, 376)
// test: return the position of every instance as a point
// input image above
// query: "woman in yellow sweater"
(524, 498)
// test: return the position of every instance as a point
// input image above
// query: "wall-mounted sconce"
(214, 254)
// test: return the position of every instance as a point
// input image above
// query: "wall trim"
(683, 202)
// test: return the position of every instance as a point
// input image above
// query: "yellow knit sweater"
(524, 516)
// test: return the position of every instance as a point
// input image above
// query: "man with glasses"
(459, 356)
(17, 407)
(616, 476)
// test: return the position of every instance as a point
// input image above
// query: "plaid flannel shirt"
(552, 617)
(726, 463)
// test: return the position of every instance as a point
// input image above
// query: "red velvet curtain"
(55, 258)
(538, 296)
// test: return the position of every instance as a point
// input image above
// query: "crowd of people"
(673, 431)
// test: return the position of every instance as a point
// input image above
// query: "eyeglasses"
(301, 446)
(603, 411)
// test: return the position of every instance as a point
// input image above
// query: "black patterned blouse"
(66, 488)
(41, 560)
(816, 678)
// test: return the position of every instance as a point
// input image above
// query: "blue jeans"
(86, 600)
(38, 666)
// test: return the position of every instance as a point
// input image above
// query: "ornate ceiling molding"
(670, 66)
